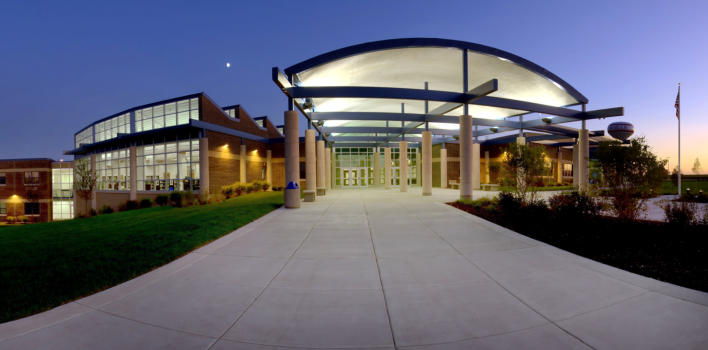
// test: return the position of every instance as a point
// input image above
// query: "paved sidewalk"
(375, 269)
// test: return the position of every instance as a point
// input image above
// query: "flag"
(677, 105)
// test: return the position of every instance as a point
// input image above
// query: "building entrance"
(354, 177)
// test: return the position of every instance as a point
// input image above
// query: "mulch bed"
(654, 249)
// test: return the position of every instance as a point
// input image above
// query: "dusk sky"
(66, 64)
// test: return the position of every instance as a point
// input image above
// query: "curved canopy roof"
(378, 91)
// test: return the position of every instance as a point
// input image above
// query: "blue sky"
(66, 64)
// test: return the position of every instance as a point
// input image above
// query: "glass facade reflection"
(168, 166)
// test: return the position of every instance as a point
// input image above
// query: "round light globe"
(228, 64)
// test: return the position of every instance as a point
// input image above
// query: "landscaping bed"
(670, 253)
(45, 265)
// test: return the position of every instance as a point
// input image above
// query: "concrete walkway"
(375, 269)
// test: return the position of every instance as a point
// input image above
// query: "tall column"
(269, 169)
(204, 168)
(443, 168)
(418, 168)
(475, 166)
(520, 172)
(487, 168)
(310, 165)
(584, 160)
(321, 191)
(328, 168)
(377, 167)
(387, 167)
(559, 167)
(403, 165)
(466, 151)
(133, 162)
(242, 165)
(427, 168)
(292, 160)
(576, 165)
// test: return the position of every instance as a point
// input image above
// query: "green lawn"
(668, 187)
(45, 265)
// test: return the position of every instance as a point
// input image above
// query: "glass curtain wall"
(166, 115)
(168, 166)
(348, 160)
(113, 170)
(412, 164)
(85, 137)
(63, 193)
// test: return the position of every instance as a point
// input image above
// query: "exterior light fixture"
(547, 120)
(494, 129)
(225, 146)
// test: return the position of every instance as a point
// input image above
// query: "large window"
(567, 169)
(169, 166)
(32, 178)
(3, 208)
(31, 208)
(113, 170)
(84, 137)
(166, 115)
(109, 129)
(62, 193)
(3, 179)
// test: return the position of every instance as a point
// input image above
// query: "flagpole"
(679, 143)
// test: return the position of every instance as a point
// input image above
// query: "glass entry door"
(396, 176)
(354, 177)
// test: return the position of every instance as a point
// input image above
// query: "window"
(166, 115)
(62, 193)
(84, 137)
(3, 208)
(168, 166)
(31, 208)
(113, 170)
(567, 169)
(32, 178)
(109, 129)
(3, 179)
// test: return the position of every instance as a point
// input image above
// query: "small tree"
(697, 169)
(84, 181)
(632, 173)
(523, 164)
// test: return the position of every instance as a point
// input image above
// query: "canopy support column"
(387, 168)
(466, 157)
(310, 166)
(427, 168)
(443, 167)
(328, 168)
(292, 160)
(377, 167)
(403, 165)
(320, 153)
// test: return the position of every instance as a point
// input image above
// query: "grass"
(45, 265)
(668, 187)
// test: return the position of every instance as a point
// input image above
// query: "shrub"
(11, 219)
(162, 200)
(176, 198)
(681, 213)
(508, 202)
(105, 209)
(266, 186)
(132, 205)
(249, 188)
(574, 205)
(92, 212)
(227, 191)
(257, 186)
(22, 218)
(145, 203)
(188, 198)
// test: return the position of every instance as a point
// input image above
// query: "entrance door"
(395, 176)
(354, 177)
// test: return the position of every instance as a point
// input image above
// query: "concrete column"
(387, 167)
(204, 168)
(418, 168)
(427, 168)
(310, 165)
(333, 170)
(94, 206)
(377, 167)
(443, 168)
(292, 160)
(466, 151)
(584, 160)
(576, 165)
(133, 174)
(242, 165)
(487, 168)
(320, 149)
(403, 165)
(269, 169)
(559, 167)
(328, 168)
(476, 166)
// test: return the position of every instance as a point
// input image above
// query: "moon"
(228, 64)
